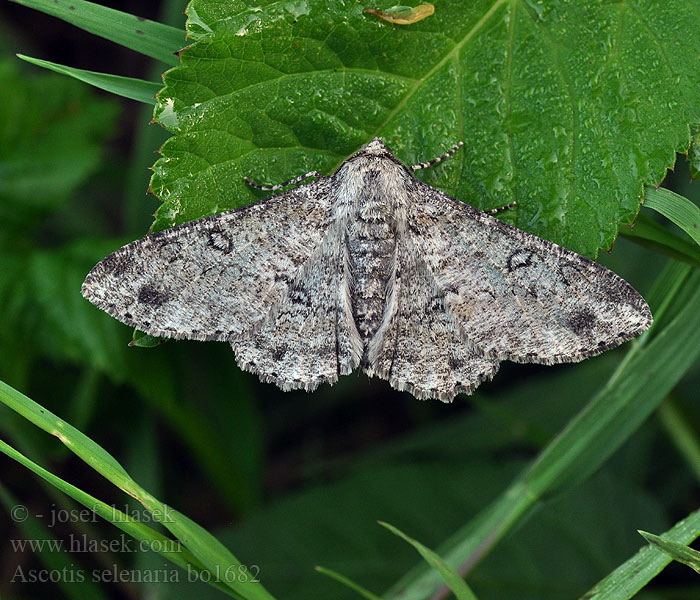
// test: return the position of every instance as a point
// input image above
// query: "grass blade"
(458, 586)
(134, 89)
(209, 551)
(676, 208)
(631, 576)
(681, 434)
(148, 538)
(655, 236)
(346, 581)
(142, 35)
(678, 552)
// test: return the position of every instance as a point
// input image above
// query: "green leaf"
(678, 209)
(452, 579)
(571, 130)
(51, 134)
(679, 552)
(143, 340)
(135, 89)
(630, 577)
(156, 40)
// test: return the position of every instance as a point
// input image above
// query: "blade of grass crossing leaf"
(348, 583)
(213, 555)
(676, 208)
(468, 545)
(458, 586)
(632, 575)
(678, 552)
(153, 39)
(134, 89)
(631, 394)
(48, 553)
(651, 234)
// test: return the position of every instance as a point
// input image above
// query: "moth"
(369, 268)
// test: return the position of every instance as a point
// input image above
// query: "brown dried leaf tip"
(403, 15)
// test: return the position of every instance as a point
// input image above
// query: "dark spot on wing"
(300, 297)
(522, 257)
(279, 352)
(115, 264)
(149, 294)
(220, 240)
(455, 363)
(451, 288)
(621, 292)
(485, 291)
(581, 321)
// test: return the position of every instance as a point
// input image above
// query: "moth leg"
(435, 161)
(279, 186)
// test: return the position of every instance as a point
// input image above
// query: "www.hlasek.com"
(168, 574)
(82, 543)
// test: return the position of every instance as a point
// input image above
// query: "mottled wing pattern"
(419, 348)
(219, 277)
(516, 296)
(310, 338)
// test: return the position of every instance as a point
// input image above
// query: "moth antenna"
(279, 186)
(494, 211)
(434, 161)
